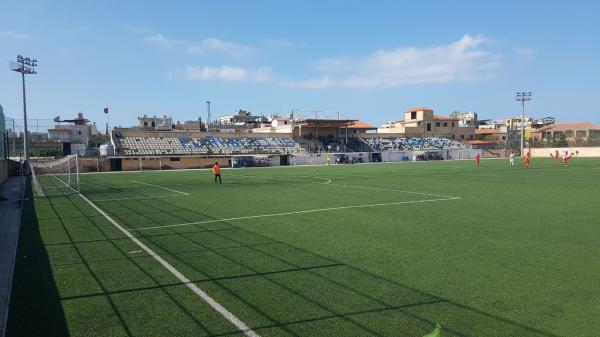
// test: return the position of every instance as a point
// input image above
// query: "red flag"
(106, 110)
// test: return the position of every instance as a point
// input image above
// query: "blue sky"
(368, 60)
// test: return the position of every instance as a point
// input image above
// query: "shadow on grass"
(35, 308)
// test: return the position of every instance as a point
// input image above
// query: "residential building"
(571, 133)
(465, 118)
(153, 123)
(242, 118)
(74, 134)
(421, 122)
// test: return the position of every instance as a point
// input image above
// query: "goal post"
(55, 177)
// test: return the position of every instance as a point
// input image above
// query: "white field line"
(325, 180)
(57, 178)
(135, 198)
(393, 190)
(243, 327)
(297, 212)
(164, 188)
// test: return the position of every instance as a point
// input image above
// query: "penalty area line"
(297, 212)
(325, 181)
(238, 323)
(164, 188)
(136, 198)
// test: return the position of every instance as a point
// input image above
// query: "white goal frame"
(55, 177)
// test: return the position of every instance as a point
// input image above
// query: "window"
(462, 136)
(413, 115)
(438, 124)
(145, 123)
(569, 133)
(428, 126)
(174, 159)
(452, 124)
(153, 123)
(79, 132)
(581, 134)
(471, 137)
(503, 137)
(445, 124)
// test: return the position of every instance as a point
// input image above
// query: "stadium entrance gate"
(116, 164)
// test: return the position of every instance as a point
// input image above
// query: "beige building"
(421, 122)
(572, 133)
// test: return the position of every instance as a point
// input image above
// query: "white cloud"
(163, 42)
(458, 61)
(206, 46)
(214, 45)
(280, 43)
(225, 73)
(13, 35)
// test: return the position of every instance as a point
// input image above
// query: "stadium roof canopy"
(328, 123)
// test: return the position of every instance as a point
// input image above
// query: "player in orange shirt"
(527, 160)
(216, 170)
(477, 159)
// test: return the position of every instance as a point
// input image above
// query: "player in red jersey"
(566, 158)
(477, 159)
(527, 160)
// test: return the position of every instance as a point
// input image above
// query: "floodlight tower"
(208, 115)
(522, 97)
(25, 66)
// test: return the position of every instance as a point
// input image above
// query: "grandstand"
(132, 145)
(412, 144)
(206, 145)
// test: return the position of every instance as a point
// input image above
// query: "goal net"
(55, 177)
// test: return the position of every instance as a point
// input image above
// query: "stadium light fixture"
(25, 66)
(523, 97)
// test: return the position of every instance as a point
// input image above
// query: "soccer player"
(216, 170)
(527, 160)
(477, 159)
(566, 158)
(511, 159)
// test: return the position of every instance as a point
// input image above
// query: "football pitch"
(349, 250)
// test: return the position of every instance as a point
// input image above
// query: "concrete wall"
(386, 156)
(583, 151)
(3, 170)
(451, 154)
(165, 163)
(321, 158)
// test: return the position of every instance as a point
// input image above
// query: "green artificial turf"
(354, 250)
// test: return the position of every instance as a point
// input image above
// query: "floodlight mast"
(25, 66)
(522, 97)
(208, 115)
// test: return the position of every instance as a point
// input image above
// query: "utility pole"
(25, 66)
(522, 97)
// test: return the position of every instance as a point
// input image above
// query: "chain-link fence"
(37, 138)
